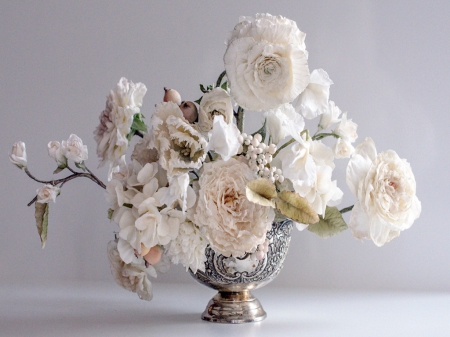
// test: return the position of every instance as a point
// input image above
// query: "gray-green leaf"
(41, 215)
(333, 224)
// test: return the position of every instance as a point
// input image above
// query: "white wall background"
(389, 61)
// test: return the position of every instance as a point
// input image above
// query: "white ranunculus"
(346, 129)
(131, 276)
(188, 248)
(115, 121)
(386, 190)
(282, 122)
(217, 102)
(343, 148)
(181, 147)
(232, 224)
(313, 101)
(266, 62)
(330, 116)
(18, 155)
(47, 193)
(309, 166)
(74, 149)
(223, 138)
(56, 151)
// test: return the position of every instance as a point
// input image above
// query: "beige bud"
(154, 255)
(171, 95)
(189, 110)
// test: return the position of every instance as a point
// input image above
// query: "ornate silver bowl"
(235, 277)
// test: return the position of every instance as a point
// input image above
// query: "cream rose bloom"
(266, 62)
(386, 190)
(18, 155)
(47, 193)
(56, 151)
(217, 102)
(232, 224)
(74, 149)
(181, 147)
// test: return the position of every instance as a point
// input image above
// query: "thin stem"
(139, 133)
(219, 80)
(346, 209)
(32, 201)
(68, 178)
(283, 146)
(240, 119)
(98, 181)
(323, 135)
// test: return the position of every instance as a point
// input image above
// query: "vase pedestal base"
(234, 307)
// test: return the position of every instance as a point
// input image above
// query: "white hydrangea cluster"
(259, 155)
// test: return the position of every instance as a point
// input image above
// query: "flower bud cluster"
(259, 157)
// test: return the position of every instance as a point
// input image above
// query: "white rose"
(313, 101)
(181, 147)
(282, 122)
(386, 190)
(47, 193)
(309, 166)
(232, 224)
(131, 276)
(266, 62)
(343, 149)
(115, 121)
(217, 102)
(346, 129)
(330, 116)
(57, 153)
(223, 139)
(74, 149)
(18, 155)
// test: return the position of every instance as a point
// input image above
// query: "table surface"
(108, 310)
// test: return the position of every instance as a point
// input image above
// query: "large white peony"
(181, 147)
(266, 62)
(386, 190)
(232, 224)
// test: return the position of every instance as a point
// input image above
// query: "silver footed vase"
(234, 278)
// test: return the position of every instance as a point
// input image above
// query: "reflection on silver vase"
(235, 277)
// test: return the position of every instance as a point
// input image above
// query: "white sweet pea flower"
(18, 155)
(216, 102)
(330, 116)
(282, 122)
(74, 149)
(386, 190)
(313, 101)
(346, 129)
(56, 151)
(266, 62)
(309, 166)
(47, 193)
(223, 138)
(132, 276)
(179, 193)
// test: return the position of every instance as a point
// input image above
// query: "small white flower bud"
(244, 135)
(250, 148)
(254, 156)
(247, 142)
(278, 171)
(272, 180)
(261, 167)
(240, 139)
(263, 146)
(272, 148)
(264, 162)
(258, 137)
(255, 142)
(280, 179)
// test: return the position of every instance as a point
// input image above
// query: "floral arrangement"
(195, 178)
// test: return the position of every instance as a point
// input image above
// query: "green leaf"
(224, 86)
(333, 224)
(41, 215)
(110, 213)
(295, 207)
(138, 123)
(81, 166)
(199, 100)
(202, 88)
(261, 191)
